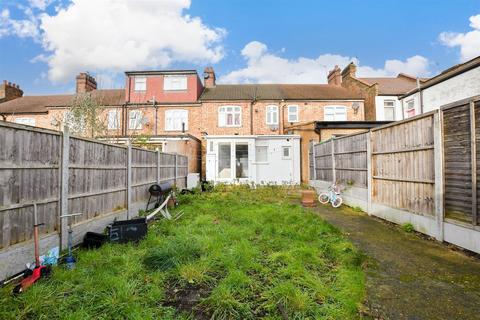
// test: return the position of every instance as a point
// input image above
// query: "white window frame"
(412, 101)
(171, 121)
(168, 84)
(223, 116)
(291, 114)
(339, 113)
(135, 122)
(140, 83)
(271, 112)
(289, 148)
(113, 119)
(385, 107)
(26, 121)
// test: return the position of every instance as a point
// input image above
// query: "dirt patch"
(187, 300)
(410, 276)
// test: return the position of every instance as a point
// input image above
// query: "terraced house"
(174, 110)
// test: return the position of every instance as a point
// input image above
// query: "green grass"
(408, 227)
(235, 254)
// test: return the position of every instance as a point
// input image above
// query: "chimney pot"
(85, 83)
(335, 77)
(9, 91)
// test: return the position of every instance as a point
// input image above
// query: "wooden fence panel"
(144, 173)
(323, 161)
(97, 178)
(403, 165)
(457, 166)
(29, 173)
(351, 159)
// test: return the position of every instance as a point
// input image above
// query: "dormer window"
(175, 83)
(140, 83)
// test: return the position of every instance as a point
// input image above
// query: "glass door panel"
(241, 160)
(224, 160)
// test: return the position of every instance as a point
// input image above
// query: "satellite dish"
(206, 75)
(54, 122)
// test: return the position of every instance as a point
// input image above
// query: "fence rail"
(63, 174)
(421, 170)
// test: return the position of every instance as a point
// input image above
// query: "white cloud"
(22, 28)
(265, 67)
(117, 35)
(40, 4)
(469, 42)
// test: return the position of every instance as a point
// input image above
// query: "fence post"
(314, 162)
(473, 163)
(158, 166)
(334, 175)
(176, 166)
(369, 173)
(64, 187)
(129, 180)
(438, 165)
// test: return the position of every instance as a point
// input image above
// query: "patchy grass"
(408, 227)
(235, 254)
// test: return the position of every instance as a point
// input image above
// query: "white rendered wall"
(379, 106)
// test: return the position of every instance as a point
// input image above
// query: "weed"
(357, 209)
(408, 227)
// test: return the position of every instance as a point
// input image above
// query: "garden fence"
(422, 170)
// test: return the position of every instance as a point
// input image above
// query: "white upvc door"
(233, 161)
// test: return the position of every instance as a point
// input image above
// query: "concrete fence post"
(314, 162)
(175, 170)
(129, 181)
(438, 165)
(158, 166)
(369, 173)
(334, 175)
(64, 176)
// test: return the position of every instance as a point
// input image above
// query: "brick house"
(381, 94)
(164, 107)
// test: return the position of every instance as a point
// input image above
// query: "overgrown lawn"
(236, 253)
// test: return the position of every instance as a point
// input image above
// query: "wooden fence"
(422, 170)
(63, 174)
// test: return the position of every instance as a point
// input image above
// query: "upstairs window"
(389, 110)
(229, 116)
(175, 119)
(27, 121)
(335, 113)
(272, 115)
(174, 83)
(113, 119)
(410, 104)
(140, 83)
(292, 113)
(135, 120)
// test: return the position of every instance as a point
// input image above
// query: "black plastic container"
(128, 230)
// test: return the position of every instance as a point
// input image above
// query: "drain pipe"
(420, 95)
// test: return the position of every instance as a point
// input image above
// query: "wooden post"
(473, 163)
(314, 162)
(64, 176)
(438, 165)
(334, 175)
(158, 166)
(129, 180)
(369, 172)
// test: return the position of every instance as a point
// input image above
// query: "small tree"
(85, 117)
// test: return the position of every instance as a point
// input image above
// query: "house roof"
(40, 104)
(278, 92)
(393, 86)
(447, 74)
(161, 72)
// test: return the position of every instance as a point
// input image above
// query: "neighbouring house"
(381, 94)
(456, 83)
(259, 159)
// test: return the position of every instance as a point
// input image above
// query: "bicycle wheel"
(337, 202)
(323, 198)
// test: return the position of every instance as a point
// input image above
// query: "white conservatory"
(262, 159)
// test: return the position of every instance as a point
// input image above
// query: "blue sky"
(45, 43)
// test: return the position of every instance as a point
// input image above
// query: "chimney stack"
(9, 91)
(350, 71)
(209, 77)
(335, 77)
(85, 83)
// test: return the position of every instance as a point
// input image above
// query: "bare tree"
(85, 116)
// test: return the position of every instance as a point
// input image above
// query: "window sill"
(176, 130)
(230, 126)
